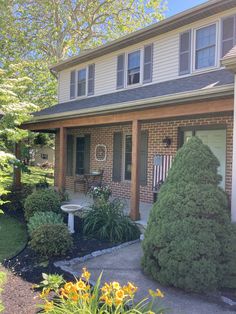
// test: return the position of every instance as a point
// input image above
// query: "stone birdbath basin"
(71, 210)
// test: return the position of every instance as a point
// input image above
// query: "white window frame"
(123, 157)
(86, 82)
(221, 31)
(76, 82)
(141, 68)
(216, 64)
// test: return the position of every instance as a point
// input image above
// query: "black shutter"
(228, 35)
(70, 155)
(120, 71)
(72, 84)
(117, 156)
(91, 79)
(185, 53)
(87, 153)
(147, 63)
(143, 157)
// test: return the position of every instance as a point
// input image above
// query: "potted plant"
(100, 193)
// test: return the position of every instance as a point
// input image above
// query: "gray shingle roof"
(186, 84)
(231, 53)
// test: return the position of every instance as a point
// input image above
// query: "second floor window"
(205, 47)
(133, 68)
(81, 82)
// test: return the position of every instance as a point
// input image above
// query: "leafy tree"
(189, 231)
(36, 34)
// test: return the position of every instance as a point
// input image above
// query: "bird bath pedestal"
(71, 210)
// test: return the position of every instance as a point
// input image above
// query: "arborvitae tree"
(188, 230)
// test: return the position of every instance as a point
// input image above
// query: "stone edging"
(66, 264)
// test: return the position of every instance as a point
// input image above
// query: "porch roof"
(201, 84)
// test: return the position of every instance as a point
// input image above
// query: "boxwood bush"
(107, 221)
(42, 218)
(42, 201)
(51, 240)
(187, 240)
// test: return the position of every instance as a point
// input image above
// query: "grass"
(36, 174)
(13, 236)
(2, 281)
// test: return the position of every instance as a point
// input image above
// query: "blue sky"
(176, 6)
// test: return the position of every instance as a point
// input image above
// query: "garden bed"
(30, 266)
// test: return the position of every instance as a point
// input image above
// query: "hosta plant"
(110, 298)
(42, 218)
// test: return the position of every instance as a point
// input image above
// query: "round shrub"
(51, 240)
(42, 218)
(190, 223)
(41, 201)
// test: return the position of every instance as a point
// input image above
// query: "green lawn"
(34, 177)
(13, 236)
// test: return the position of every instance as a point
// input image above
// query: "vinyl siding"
(165, 60)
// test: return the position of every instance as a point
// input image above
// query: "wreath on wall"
(101, 152)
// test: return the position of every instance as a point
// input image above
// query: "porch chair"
(161, 166)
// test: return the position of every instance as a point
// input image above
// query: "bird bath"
(71, 210)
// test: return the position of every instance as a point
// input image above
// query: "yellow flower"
(120, 294)
(116, 285)
(156, 293)
(44, 293)
(130, 289)
(69, 286)
(106, 288)
(150, 312)
(48, 306)
(159, 293)
(63, 293)
(80, 285)
(86, 275)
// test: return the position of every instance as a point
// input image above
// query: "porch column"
(135, 185)
(233, 193)
(17, 171)
(62, 159)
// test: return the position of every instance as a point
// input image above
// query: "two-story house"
(143, 95)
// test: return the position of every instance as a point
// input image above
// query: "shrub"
(41, 201)
(42, 218)
(80, 297)
(189, 225)
(107, 221)
(15, 198)
(51, 240)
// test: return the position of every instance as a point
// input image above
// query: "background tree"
(42, 32)
(188, 241)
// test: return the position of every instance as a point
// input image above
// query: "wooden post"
(62, 160)
(135, 185)
(17, 171)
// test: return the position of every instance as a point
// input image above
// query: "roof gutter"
(202, 94)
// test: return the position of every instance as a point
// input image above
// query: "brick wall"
(157, 131)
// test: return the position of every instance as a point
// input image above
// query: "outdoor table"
(93, 179)
(71, 210)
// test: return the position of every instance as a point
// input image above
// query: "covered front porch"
(80, 198)
(131, 141)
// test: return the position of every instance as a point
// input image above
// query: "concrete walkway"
(124, 265)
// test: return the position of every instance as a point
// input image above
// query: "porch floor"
(87, 201)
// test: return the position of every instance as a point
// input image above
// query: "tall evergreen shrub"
(187, 239)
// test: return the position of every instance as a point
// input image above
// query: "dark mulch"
(30, 266)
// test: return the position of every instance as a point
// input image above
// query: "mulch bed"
(26, 269)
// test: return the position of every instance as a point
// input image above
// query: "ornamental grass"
(110, 298)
